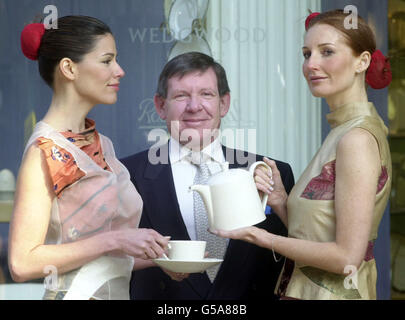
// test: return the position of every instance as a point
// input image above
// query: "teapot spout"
(205, 193)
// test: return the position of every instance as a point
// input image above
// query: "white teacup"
(186, 250)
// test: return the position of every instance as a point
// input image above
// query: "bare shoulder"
(32, 152)
(358, 140)
(358, 151)
(33, 158)
(34, 170)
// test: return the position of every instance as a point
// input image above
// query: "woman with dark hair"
(334, 210)
(76, 211)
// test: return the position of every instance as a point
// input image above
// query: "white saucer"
(187, 266)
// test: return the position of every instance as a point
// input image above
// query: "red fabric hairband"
(31, 39)
(378, 75)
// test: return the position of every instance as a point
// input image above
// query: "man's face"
(193, 108)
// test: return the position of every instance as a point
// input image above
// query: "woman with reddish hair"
(334, 210)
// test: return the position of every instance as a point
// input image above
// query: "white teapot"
(231, 198)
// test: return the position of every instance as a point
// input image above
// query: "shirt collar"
(178, 152)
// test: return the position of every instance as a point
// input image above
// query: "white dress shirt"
(183, 175)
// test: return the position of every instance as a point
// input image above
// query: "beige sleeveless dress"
(98, 202)
(311, 212)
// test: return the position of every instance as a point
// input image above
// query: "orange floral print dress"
(94, 195)
(62, 166)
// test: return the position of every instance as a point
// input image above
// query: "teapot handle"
(252, 171)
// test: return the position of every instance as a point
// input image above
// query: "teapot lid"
(227, 175)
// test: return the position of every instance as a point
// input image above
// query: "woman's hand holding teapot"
(272, 185)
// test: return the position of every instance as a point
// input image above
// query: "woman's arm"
(358, 167)
(29, 256)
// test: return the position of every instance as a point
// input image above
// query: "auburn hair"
(359, 40)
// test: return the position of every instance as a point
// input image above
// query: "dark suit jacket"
(247, 272)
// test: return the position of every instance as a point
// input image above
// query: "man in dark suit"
(192, 97)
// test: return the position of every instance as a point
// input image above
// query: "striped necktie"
(216, 246)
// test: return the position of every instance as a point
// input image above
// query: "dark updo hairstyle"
(189, 62)
(74, 37)
(360, 39)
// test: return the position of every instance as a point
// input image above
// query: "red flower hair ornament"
(31, 39)
(379, 74)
